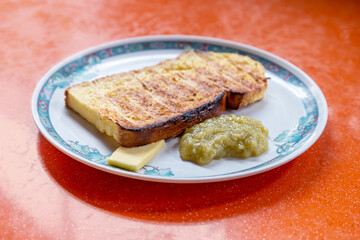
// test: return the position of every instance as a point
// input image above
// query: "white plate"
(293, 109)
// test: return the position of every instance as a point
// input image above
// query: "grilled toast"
(158, 102)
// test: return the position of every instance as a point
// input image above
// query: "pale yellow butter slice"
(135, 158)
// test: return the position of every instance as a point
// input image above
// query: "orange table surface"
(45, 194)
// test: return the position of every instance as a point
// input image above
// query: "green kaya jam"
(223, 136)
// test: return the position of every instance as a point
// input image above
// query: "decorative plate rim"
(322, 110)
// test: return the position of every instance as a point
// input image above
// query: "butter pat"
(135, 158)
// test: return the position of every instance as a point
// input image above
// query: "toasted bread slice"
(161, 101)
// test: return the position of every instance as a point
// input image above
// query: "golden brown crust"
(161, 101)
(132, 137)
(236, 100)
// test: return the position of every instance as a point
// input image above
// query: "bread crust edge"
(132, 137)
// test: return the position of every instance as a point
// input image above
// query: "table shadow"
(169, 202)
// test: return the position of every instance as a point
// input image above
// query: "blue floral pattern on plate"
(287, 142)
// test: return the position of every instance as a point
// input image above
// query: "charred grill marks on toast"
(160, 101)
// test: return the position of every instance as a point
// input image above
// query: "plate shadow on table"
(164, 202)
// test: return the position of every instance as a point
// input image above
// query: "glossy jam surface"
(224, 136)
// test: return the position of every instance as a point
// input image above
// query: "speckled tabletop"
(45, 194)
